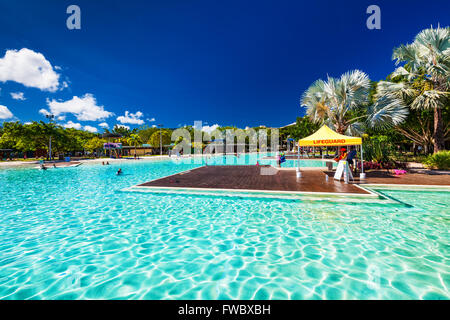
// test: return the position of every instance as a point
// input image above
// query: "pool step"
(372, 198)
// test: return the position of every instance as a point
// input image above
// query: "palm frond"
(428, 52)
(332, 99)
(386, 113)
(405, 53)
(356, 129)
(403, 73)
(430, 99)
(314, 100)
(437, 40)
(357, 85)
(399, 90)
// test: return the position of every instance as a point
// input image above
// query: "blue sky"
(173, 62)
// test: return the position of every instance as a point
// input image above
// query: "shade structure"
(111, 145)
(325, 137)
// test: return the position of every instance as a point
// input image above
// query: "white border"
(369, 193)
(410, 186)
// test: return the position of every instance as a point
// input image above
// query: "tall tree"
(155, 138)
(146, 132)
(343, 103)
(134, 140)
(94, 144)
(425, 77)
(124, 131)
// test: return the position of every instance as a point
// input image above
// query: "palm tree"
(424, 77)
(134, 140)
(344, 104)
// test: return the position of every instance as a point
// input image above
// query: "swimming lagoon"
(73, 233)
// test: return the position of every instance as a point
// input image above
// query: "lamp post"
(160, 139)
(50, 117)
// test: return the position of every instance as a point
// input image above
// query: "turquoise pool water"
(252, 158)
(72, 234)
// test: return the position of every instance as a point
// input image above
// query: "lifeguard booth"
(325, 137)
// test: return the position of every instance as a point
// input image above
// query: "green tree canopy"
(94, 144)
(154, 139)
(36, 135)
(423, 81)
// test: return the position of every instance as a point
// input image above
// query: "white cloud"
(44, 112)
(78, 126)
(73, 125)
(209, 129)
(90, 129)
(131, 118)
(5, 113)
(61, 118)
(151, 119)
(18, 96)
(154, 126)
(122, 126)
(84, 108)
(29, 68)
(27, 123)
(104, 125)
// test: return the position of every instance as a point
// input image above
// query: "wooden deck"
(419, 179)
(251, 177)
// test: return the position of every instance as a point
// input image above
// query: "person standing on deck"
(351, 155)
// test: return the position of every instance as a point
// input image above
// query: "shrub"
(388, 165)
(439, 160)
(378, 148)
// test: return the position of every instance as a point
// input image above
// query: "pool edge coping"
(370, 193)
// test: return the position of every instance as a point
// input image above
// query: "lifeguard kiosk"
(325, 137)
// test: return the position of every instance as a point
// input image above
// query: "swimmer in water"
(119, 171)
